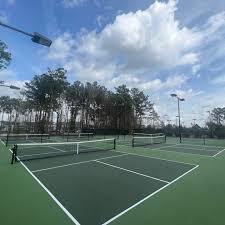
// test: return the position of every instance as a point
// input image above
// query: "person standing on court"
(14, 153)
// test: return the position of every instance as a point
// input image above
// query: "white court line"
(152, 157)
(37, 154)
(115, 217)
(124, 145)
(177, 145)
(186, 153)
(161, 150)
(149, 196)
(206, 150)
(219, 153)
(51, 195)
(131, 171)
(76, 163)
(167, 146)
(207, 146)
(212, 147)
(56, 149)
(31, 141)
(2, 142)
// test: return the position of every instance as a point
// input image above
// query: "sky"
(160, 47)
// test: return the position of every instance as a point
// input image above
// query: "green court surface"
(169, 183)
(210, 151)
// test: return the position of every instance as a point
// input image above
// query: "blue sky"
(158, 46)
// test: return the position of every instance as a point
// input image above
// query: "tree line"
(50, 103)
(213, 128)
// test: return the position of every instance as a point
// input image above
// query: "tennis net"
(32, 151)
(79, 135)
(18, 138)
(148, 140)
(147, 134)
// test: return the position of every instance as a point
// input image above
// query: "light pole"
(194, 123)
(209, 112)
(210, 125)
(35, 37)
(178, 106)
(168, 121)
(165, 118)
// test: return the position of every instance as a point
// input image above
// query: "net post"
(114, 144)
(14, 154)
(12, 158)
(165, 138)
(132, 141)
(77, 148)
(204, 139)
(16, 158)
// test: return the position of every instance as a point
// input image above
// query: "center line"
(77, 163)
(131, 171)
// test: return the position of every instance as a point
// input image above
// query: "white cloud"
(73, 3)
(195, 69)
(191, 108)
(170, 82)
(189, 58)
(138, 45)
(187, 94)
(10, 78)
(86, 71)
(61, 48)
(215, 23)
(148, 86)
(146, 41)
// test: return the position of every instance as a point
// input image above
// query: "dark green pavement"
(196, 199)
(22, 200)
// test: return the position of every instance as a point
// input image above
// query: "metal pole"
(178, 103)
(35, 37)
(15, 29)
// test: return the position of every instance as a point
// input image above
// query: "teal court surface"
(100, 186)
(202, 150)
(103, 181)
(198, 147)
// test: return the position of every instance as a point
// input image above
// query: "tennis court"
(198, 147)
(208, 151)
(99, 186)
